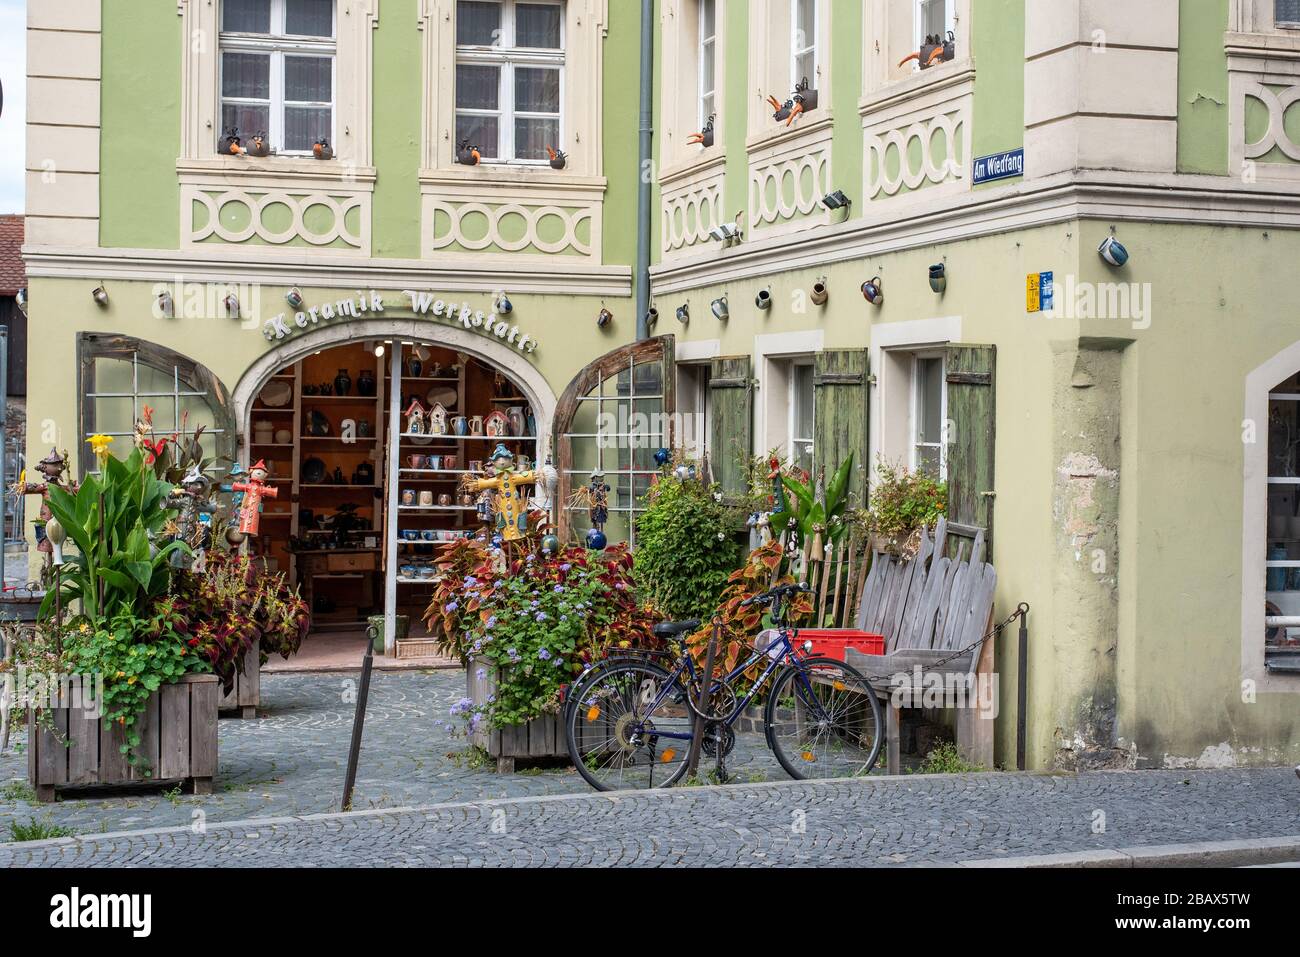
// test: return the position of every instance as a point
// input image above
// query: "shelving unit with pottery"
(341, 405)
(276, 422)
(436, 391)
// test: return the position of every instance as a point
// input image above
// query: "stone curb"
(1241, 853)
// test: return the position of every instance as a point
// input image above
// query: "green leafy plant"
(35, 830)
(946, 759)
(113, 519)
(686, 547)
(536, 623)
(903, 501)
(135, 656)
(812, 510)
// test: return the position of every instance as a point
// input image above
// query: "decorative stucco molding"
(691, 205)
(788, 178)
(938, 120)
(1263, 78)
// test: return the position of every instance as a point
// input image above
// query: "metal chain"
(1021, 610)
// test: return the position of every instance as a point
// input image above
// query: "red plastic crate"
(833, 642)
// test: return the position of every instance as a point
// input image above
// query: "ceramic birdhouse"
(259, 145)
(436, 420)
(415, 418)
(496, 424)
(231, 144)
(466, 154)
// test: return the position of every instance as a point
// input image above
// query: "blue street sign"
(999, 166)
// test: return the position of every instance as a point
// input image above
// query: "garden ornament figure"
(511, 510)
(52, 468)
(192, 500)
(255, 489)
(548, 481)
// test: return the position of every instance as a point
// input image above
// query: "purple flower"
(491, 623)
(565, 567)
(512, 652)
(559, 589)
(543, 655)
(481, 674)
(541, 616)
(559, 662)
(453, 605)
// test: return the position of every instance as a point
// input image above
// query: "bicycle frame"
(687, 666)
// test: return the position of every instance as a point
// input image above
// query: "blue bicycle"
(630, 721)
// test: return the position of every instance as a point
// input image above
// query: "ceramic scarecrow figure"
(255, 489)
(594, 497)
(193, 500)
(52, 468)
(511, 510)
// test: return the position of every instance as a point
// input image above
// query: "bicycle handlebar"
(775, 594)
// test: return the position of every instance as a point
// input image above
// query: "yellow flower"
(100, 443)
(84, 627)
(120, 674)
(131, 680)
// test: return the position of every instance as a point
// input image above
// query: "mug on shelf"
(449, 463)
(408, 496)
(433, 462)
(426, 498)
(417, 461)
(444, 499)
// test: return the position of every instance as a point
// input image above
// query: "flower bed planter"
(178, 740)
(246, 695)
(540, 738)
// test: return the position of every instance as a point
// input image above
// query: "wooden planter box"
(178, 739)
(540, 738)
(246, 696)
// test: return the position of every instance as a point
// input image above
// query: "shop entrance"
(360, 489)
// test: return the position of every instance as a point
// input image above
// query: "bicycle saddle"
(671, 629)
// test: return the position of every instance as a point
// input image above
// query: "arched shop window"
(1282, 574)
(613, 417)
(120, 375)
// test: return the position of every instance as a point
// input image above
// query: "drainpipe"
(644, 159)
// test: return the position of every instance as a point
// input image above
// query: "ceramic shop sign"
(364, 305)
(359, 306)
(488, 323)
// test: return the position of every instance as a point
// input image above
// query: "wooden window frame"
(915, 412)
(507, 57)
(279, 46)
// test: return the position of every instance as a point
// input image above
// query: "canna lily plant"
(113, 519)
(813, 507)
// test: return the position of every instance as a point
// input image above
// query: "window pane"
(929, 400)
(806, 23)
(803, 402)
(708, 19)
(477, 87)
(248, 118)
(706, 109)
(537, 91)
(537, 25)
(706, 68)
(927, 461)
(481, 131)
(304, 125)
(246, 16)
(805, 67)
(532, 136)
(933, 17)
(246, 75)
(1287, 11)
(308, 79)
(478, 24)
(309, 18)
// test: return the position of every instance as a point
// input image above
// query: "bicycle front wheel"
(630, 728)
(823, 720)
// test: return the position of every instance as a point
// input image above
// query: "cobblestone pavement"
(418, 804)
(877, 821)
(291, 761)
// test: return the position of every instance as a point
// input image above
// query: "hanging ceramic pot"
(366, 386)
(342, 383)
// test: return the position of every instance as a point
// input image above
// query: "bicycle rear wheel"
(823, 720)
(631, 727)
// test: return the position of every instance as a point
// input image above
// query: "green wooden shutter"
(731, 417)
(971, 384)
(841, 396)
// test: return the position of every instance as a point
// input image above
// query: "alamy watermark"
(920, 688)
(23, 688)
(625, 429)
(1129, 302)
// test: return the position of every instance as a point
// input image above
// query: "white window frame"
(915, 411)
(949, 21)
(278, 46)
(796, 51)
(694, 397)
(507, 56)
(708, 85)
(796, 363)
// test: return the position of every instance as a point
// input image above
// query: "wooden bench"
(929, 607)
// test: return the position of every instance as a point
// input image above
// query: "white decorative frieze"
(918, 143)
(788, 176)
(691, 205)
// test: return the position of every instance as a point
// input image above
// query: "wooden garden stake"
(706, 697)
